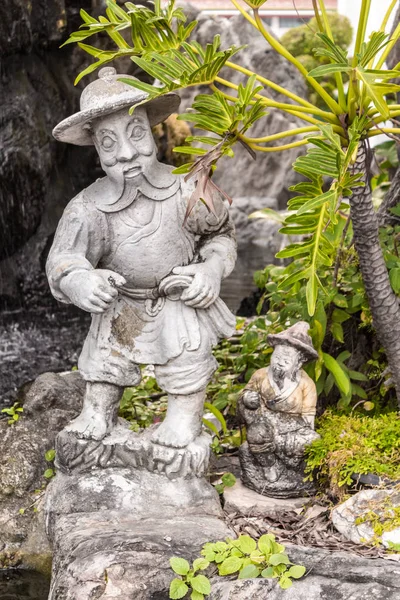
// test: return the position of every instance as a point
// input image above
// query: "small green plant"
(144, 404)
(354, 445)
(50, 456)
(244, 556)
(227, 480)
(14, 412)
(249, 558)
(198, 585)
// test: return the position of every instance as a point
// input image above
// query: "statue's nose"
(126, 151)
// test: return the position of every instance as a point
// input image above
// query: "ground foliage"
(354, 445)
(245, 557)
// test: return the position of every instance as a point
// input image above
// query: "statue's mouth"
(132, 171)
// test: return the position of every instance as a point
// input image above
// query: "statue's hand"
(206, 284)
(251, 399)
(93, 291)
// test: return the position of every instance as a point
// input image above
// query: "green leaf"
(229, 480)
(49, 473)
(357, 376)
(329, 69)
(265, 543)
(394, 276)
(268, 573)
(341, 377)
(337, 332)
(318, 201)
(375, 92)
(218, 415)
(249, 572)
(211, 426)
(201, 584)
(230, 565)
(340, 316)
(50, 455)
(285, 582)
(190, 150)
(311, 293)
(246, 543)
(196, 596)
(179, 565)
(200, 564)
(296, 571)
(279, 559)
(177, 589)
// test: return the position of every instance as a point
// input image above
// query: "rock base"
(239, 498)
(113, 531)
(108, 555)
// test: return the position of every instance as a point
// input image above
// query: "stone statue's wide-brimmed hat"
(107, 95)
(296, 336)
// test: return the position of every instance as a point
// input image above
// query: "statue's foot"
(89, 426)
(178, 434)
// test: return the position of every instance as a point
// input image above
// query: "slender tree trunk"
(385, 217)
(382, 300)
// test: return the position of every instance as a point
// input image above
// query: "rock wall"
(37, 175)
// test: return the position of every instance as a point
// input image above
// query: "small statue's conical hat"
(296, 336)
(107, 95)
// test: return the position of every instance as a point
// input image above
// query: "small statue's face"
(285, 362)
(125, 145)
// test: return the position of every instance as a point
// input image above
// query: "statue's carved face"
(285, 362)
(125, 145)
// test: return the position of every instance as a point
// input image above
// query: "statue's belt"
(170, 287)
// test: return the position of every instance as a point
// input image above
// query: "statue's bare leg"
(99, 412)
(183, 420)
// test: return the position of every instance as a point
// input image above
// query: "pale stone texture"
(345, 515)
(244, 500)
(114, 530)
(330, 576)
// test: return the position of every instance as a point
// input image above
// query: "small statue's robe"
(302, 400)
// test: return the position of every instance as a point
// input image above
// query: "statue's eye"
(107, 142)
(138, 132)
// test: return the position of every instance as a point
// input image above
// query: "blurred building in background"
(280, 15)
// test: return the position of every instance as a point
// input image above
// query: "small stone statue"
(126, 252)
(278, 408)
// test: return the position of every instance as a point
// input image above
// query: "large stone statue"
(278, 408)
(127, 252)
(151, 280)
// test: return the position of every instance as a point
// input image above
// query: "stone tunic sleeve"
(309, 395)
(79, 243)
(216, 231)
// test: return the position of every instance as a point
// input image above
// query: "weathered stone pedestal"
(114, 528)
